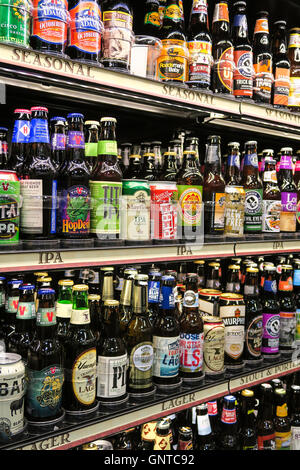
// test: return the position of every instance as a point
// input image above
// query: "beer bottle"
(20, 141)
(45, 36)
(248, 439)
(58, 140)
(282, 421)
(213, 413)
(294, 58)
(148, 435)
(151, 26)
(79, 396)
(139, 341)
(2, 311)
(213, 277)
(91, 138)
(287, 310)
(265, 420)
(125, 153)
(185, 438)
(232, 312)
(112, 358)
(276, 383)
(106, 283)
(166, 338)
(254, 191)
(213, 189)
(162, 438)
(199, 46)
(233, 167)
(288, 192)
(271, 315)
(233, 283)
(175, 146)
(271, 198)
(281, 66)
(254, 318)
(201, 272)
(63, 308)
(45, 367)
(169, 169)
(262, 60)
(296, 285)
(125, 308)
(229, 438)
(223, 51)
(134, 169)
(127, 440)
(153, 295)
(243, 56)
(156, 149)
(204, 439)
(74, 205)
(191, 333)
(294, 412)
(161, 9)
(173, 62)
(190, 189)
(148, 170)
(39, 192)
(11, 308)
(106, 186)
(20, 339)
(93, 281)
(95, 315)
(80, 29)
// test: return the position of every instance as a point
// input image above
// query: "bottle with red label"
(229, 425)
(265, 422)
(287, 310)
(49, 26)
(243, 56)
(288, 193)
(200, 46)
(222, 75)
(281, 66)
(85, 29)
(262, 60)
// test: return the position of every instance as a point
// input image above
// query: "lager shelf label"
(191, 352)
(165, 356)
(253, 336)
(287, 328)
(85, 27)
(84, 374)
(44, 391)
(50, 20)
(141, 366)
(74, 210)
(105, 212)
(111, 376)
(234, 322)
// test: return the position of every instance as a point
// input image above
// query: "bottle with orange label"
(282, 422)
(262, 60)
(281, 67)
(243, 56)
(287, 310)
(85, 30)
(49, 26)
(294, 58)
(173, 62)
(222, 76)
(200, 46)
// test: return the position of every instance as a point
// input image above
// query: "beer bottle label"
(199, 7)
(165, 356)
(212, 408)
(44, 391)
(153, 292)
(294, 94)
(200, 61)
(91, 149)
(271, 216)
(84, 374)
(263, 78)
(242, 76)
(39, 131)
(117, 19)
(253, 210)
(295, 438)
(297, 334)
(191, 352)
(217, 212)
(80, 316)
(12, 304)
(270, 336)
(253, 337)
(228, 416)
(75, 140)
(15, 25)
(135, 215)
(283, 440)
(190, 201)
(266, 442)
(85, 27)
(203, 425)
(74, 208)
(105, 211)
(50, 21)
(213, 355)
(234, 322)
(286, 285)
(152, 18)
(185, 445)
(294, 40)
(221, 12)
(261, 26)
(45, 317)
(166, 298)
(288, 211)
(58, 142)
(281, 411)
(148, 431)
(174, 11)
(190, 299)
(141, 366)
(281, 86)
(26, 311)
(63, 309)
(21, 132)
(287, 329)
(10, 203)
(107, 147)
(224, 66)
(13, 388)
(173, 62)
(162, 443)
(111, 376)
(2, 299)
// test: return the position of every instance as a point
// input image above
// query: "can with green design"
(15, 21)
(9, 208)
(135, 211)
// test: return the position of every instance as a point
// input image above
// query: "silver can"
(12, 392)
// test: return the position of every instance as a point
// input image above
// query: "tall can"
(232, 312)
(10, 202)
(214, 342)
(135, 212)
(164, 196)
(234, 211)
(12, 386)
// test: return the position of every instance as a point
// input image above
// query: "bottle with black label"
(265, 420)
(248, 438)
(253, 318)
(271, 316)
(281, 66)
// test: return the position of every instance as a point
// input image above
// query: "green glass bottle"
(63, 308)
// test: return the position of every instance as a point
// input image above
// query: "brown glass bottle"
(262, 60)
(282, 420)
(271, 199)
(233, 167)
(233, 277)
(281, 66)
(253, 318)
(213, 276)
(169, 169)
(294, 58)
(265, 420)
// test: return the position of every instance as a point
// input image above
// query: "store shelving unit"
(63, 79)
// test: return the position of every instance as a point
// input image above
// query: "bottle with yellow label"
(282, 421)
(162, 438)
(152, 24)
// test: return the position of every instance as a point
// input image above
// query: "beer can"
(15, 21)
(214, 341)
(9, 208)
(12, 392)
(234, 211)
(232, 312)
(135, 211)
(209, 302)
(164, 197)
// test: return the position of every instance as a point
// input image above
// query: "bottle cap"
(71, 115)
(21, 110)
(39, 108)
(65, 282)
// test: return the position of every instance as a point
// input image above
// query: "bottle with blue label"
(39, 191)
(296, 283)
(20, 141)
(153, 294)
(58, 126)
(166, 338)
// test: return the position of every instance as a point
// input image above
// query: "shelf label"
(49, 443)
(278, 246)
(187, 94)
(50, 257)
(184, 251)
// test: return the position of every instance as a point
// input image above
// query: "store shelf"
(114, 421)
